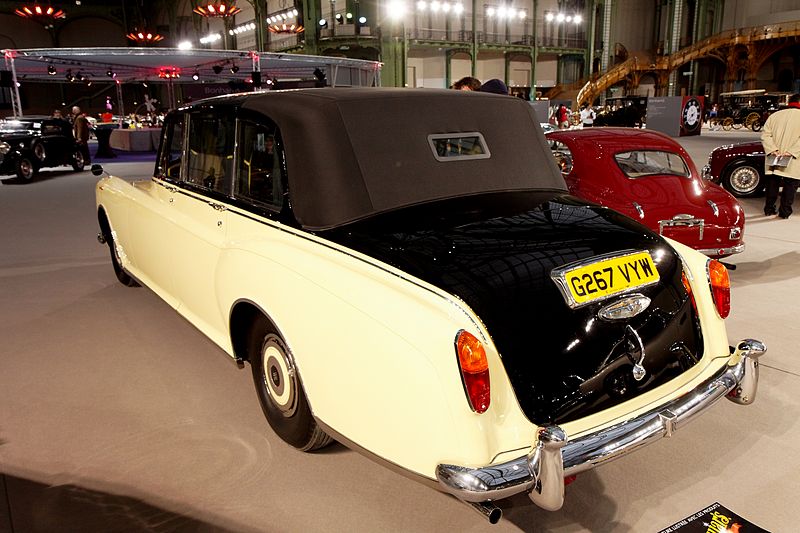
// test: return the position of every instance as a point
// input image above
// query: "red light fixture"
(167, 73)
(286, 28)
(219, 8)
(144, 37)
(35, 11)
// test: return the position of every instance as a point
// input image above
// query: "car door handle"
(217, 207)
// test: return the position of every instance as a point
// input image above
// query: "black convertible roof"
(355, 152)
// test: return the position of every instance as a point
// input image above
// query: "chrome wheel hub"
(280, 378)
(744, 180)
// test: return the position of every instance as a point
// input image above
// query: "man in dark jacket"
(80, 129)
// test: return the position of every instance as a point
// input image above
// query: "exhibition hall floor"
(117, 415)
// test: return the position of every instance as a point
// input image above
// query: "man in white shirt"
(587, 116)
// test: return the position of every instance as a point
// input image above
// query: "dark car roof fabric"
(352, 153)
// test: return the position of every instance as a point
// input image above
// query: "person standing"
(563, 117)
(80, 129)
(587, 116)
(781, 137)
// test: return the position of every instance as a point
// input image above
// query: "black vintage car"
(29, 144)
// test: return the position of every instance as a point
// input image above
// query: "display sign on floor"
(715, 518)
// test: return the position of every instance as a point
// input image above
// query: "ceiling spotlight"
(144, 84)
(196, 75)
(51, 70)
(69, 77)
(217, 69)
(110, 73)
(323, 23)
(184, 45)
(362, 20)
(234, 69)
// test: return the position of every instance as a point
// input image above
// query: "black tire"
(122, 276)
(756, 125)
(280, 391)
(26, 169)
(743, 180)
(39, 151)
(78, 162)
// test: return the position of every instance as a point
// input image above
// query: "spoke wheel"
(743, 180)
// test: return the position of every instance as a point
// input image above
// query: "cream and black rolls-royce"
(405, 272)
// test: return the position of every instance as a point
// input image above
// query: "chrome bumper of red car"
(541, 472)
(722, 252)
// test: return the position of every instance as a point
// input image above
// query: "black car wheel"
(743, 180)
(26, 170)
(38, 151)
(281, 392)
(78, 162)
(122, 276)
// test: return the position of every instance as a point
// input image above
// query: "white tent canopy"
(171, 65)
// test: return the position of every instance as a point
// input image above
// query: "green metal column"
(589, 54)
(474, 47)
(259, 9)
(534, 52)
(311, 14)
(393, 55)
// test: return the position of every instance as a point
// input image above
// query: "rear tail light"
(474, 370)
(720, 286)
(688, 287)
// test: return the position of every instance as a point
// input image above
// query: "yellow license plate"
(600, 279)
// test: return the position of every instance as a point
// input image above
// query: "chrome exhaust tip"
(488, 510)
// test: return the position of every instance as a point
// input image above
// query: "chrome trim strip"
(541, 472)
(638, 209)
(722, 251)
(714, 207)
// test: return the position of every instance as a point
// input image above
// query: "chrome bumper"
(720, 252)
(541, 472)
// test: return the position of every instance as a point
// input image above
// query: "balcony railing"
(430, 34)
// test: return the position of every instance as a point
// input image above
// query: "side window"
(171, 150)
(259, 176)
(210, 154)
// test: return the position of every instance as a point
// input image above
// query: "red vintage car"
(737, 167)
(650, 177)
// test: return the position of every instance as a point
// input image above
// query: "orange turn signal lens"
(474, 370)
(720, 286)
(688, 287)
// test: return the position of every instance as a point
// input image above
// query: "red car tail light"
(720, 286)
(474, 370)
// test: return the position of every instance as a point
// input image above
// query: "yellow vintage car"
(404, 271)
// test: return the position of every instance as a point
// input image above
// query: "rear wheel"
(743, 180)
(281, 392)
(78, 162)
(38, 151)
(26, 170)
(116, 262)
(727, 124)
